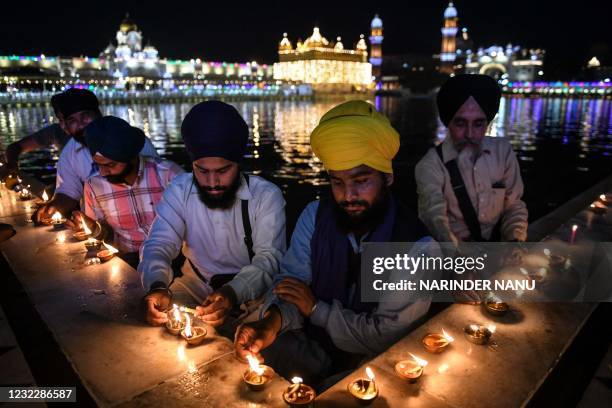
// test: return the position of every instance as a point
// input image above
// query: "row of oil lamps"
(257, 376)
(58, 222)
(364, 390)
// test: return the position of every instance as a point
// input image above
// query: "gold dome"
(127, 24)
(316, 40)
(285, 44)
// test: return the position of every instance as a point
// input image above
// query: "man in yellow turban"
(354, 134)
(314, 321)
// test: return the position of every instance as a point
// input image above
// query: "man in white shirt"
(79, 108)
(230, 227)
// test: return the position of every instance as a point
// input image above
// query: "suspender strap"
(465, 204)
(246, 223)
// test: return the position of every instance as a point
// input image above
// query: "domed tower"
(449, 39)
(362, 46)
(129, 39)
(285, 47)
(376, 39)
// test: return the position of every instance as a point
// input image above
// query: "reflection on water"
(563, 145)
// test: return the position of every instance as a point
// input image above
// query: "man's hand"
(253, 337)
(43, 213)
(297, 292)
(156, 302)
(60, 202)
(216, 306)
(76, 222)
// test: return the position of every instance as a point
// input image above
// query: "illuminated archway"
(494, 70)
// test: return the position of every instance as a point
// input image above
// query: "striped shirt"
(129, 209)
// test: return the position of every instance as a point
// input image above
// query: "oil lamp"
(299, 394)
(194, 335)
(58, 221)
(175, 323)
(411, 369)
(478, 333)
(257, 375)
(84, 233)
(108, 253)
(437, 342)
(364, 390)
(25, 194)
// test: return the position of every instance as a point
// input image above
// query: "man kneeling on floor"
(314, 322)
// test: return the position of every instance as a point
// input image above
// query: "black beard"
(224, 201)
(369, 218)
(120, 178)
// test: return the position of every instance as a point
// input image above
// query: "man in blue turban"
(470, 185)
(229, 226)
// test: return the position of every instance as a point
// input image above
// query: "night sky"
(226, 30)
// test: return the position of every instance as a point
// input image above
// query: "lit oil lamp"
(604, 200)
(58, 221)
(186, 309)
(257, 375)
(84, 233)
(194, 335)
(92, 244)
(299, 394)
(478, 333)
(175, 323)
(598, 207)
(573, 235)
(494, 306)
(437, 342)
(411, 369)
(108, 253)
(364, 390)
(538, 275)
(25, 194)
(45, 196)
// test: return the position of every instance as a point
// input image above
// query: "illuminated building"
(376, 39)
(512, 63)
(326, 65)
(449, 40)
(126, 64)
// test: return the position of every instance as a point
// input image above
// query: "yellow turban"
(354, 133)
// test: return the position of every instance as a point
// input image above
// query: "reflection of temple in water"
(293, 123)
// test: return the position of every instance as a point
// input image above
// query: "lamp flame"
(45, 197)
(111, 248)
(547, 252)
(85, 227)
(254, 365)
(602, 198)
(57, 216)
(370, 373)
(447, 336)
(574, 228)
(177, 314)
(188, 332)
(492, 328)
(297, 380)
(418, 360)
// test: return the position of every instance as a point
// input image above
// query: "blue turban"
(458, 89)
(215, 129)
(76, 100)
(114, 138)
